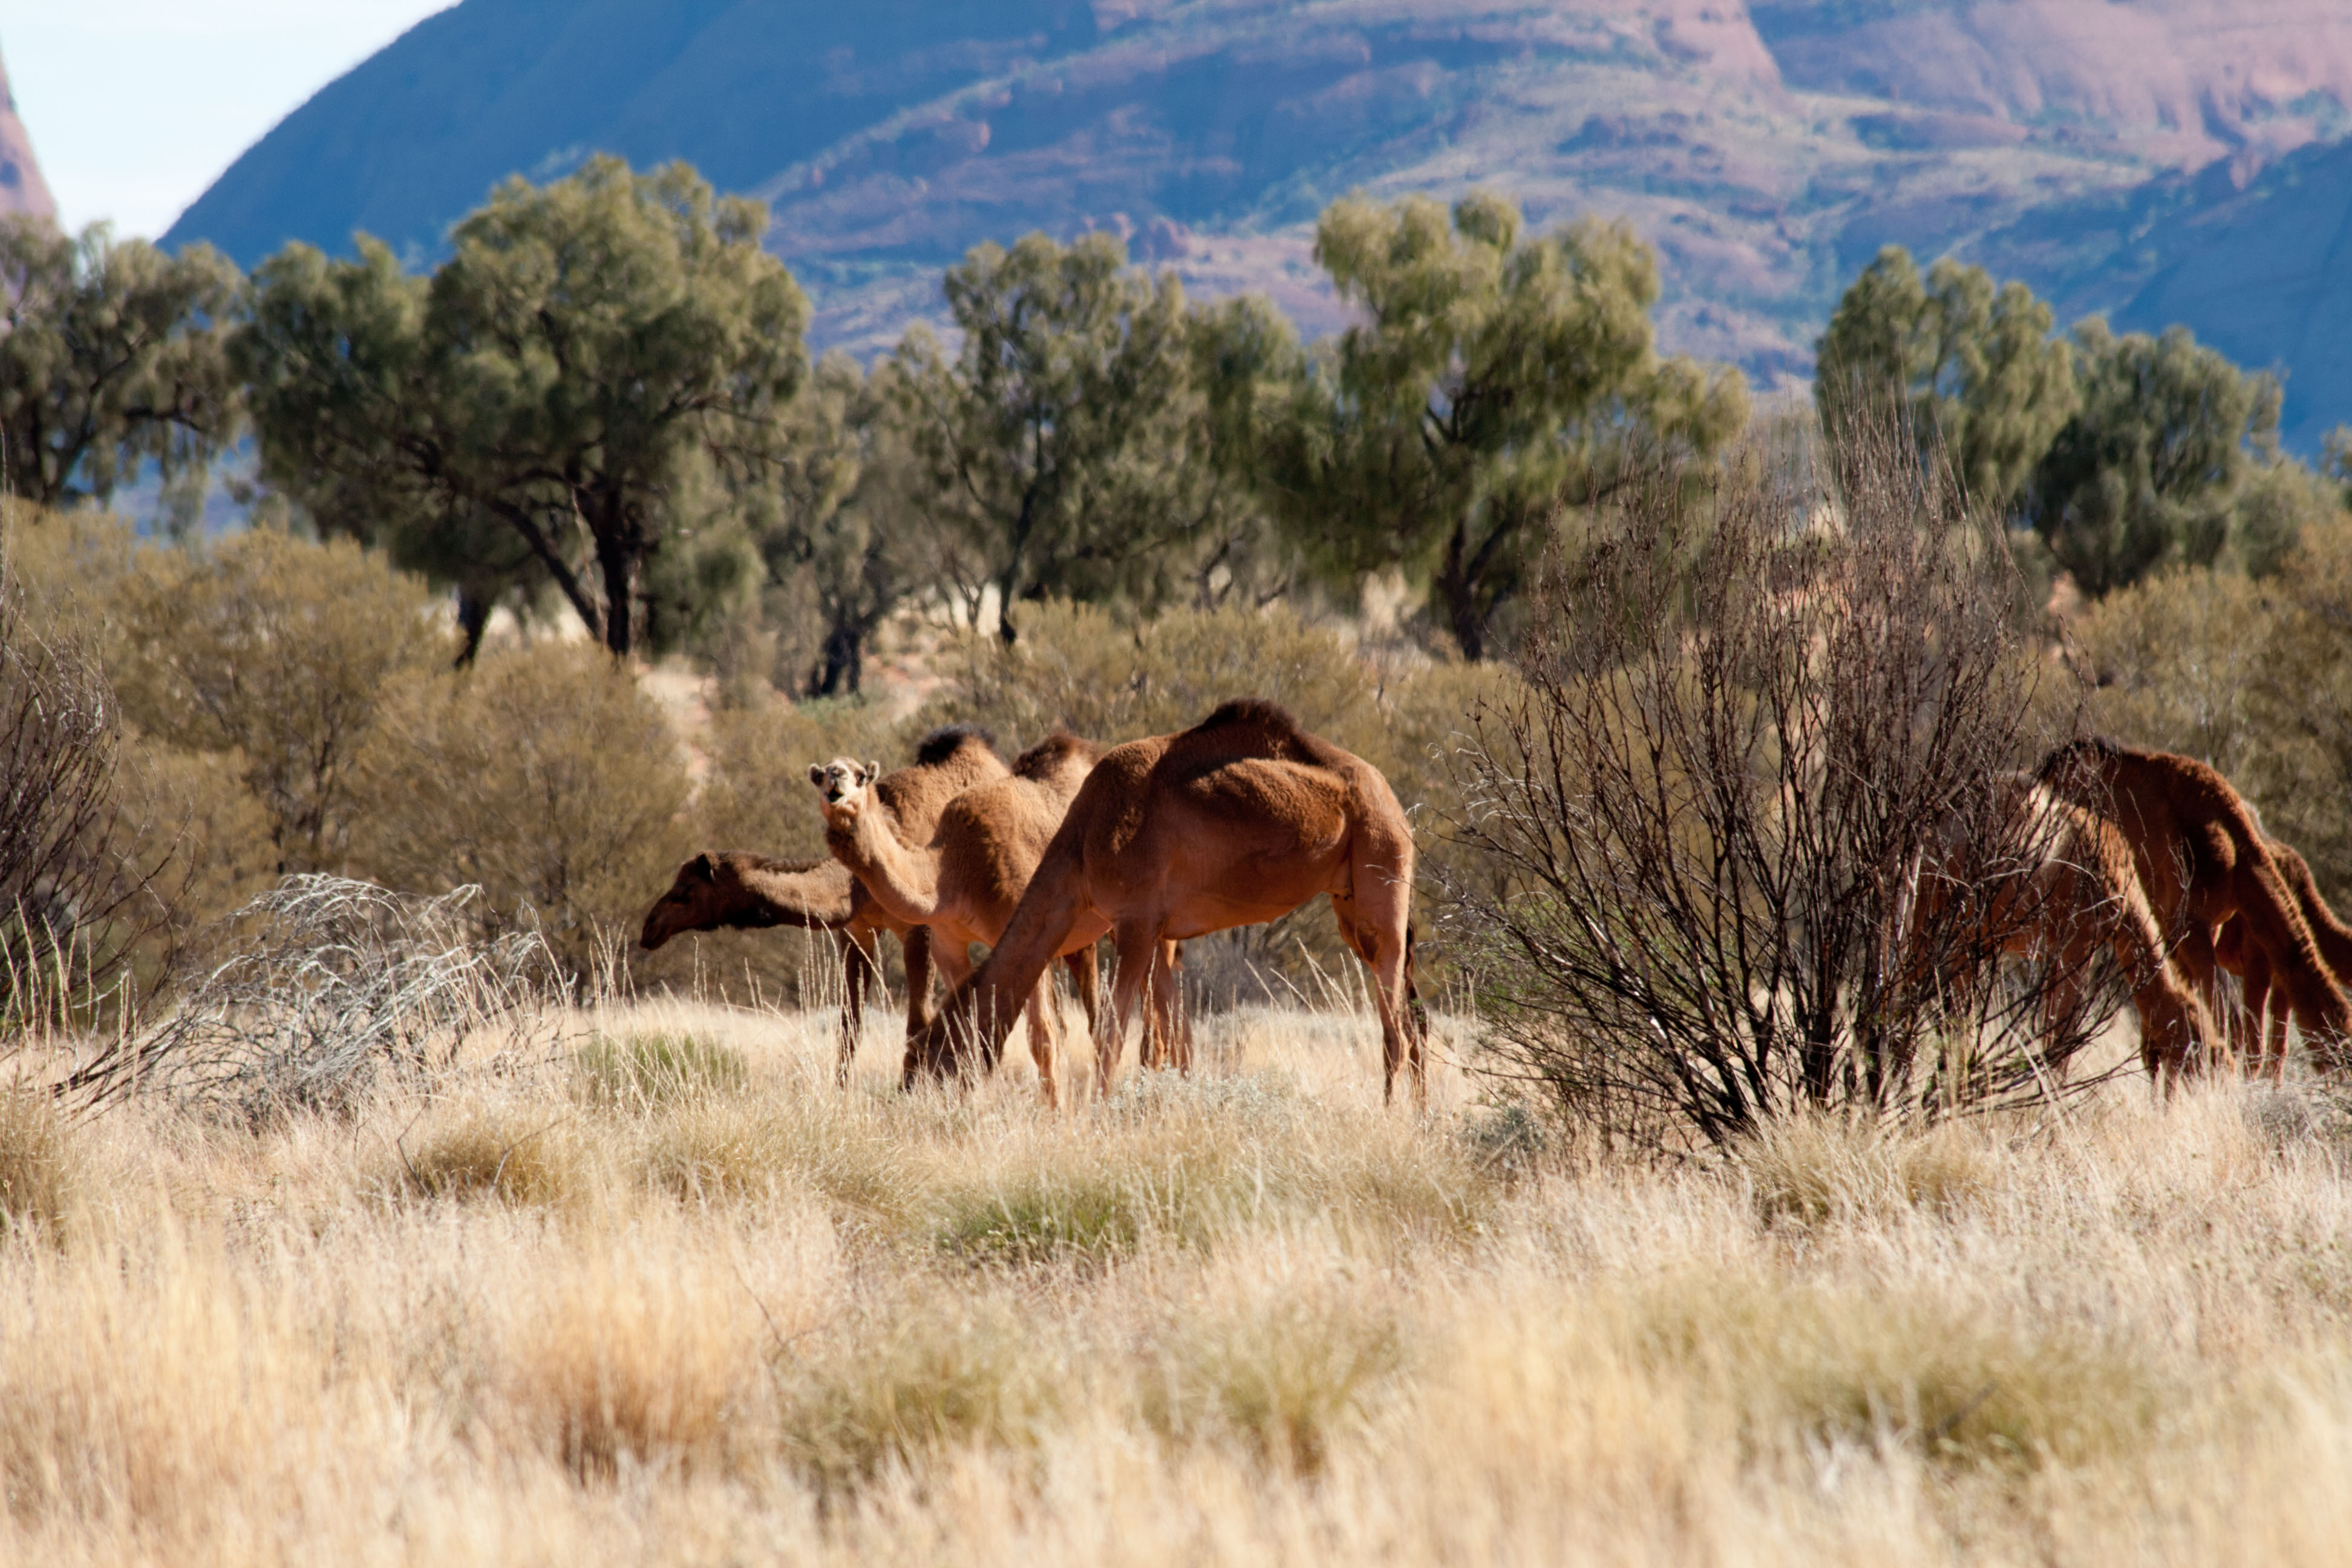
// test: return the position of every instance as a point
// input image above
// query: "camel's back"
(947, 763)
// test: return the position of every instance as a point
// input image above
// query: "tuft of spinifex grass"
(641, 1071)
(36, 1162)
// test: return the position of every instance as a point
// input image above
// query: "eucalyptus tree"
(1975, 367)
(595, 381)
(1493, 380)
(112, 355)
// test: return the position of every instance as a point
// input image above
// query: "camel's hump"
(945, 741)
(1045, 758)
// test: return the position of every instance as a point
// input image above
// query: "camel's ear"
(873, 771)
(700, 866)
(816, 775)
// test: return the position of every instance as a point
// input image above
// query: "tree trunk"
(619, 566)
(473, 620)
(1459, 593)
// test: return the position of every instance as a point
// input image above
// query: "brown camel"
(964, 884)
(1238, 820)
(2264, 1047)
(2077, 892)
(2203, 858)
(947, 762)
(734, 890)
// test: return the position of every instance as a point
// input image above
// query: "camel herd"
(1245, 816)
(1239, 820)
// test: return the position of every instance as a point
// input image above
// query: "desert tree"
(112, 354)
(2149, 469)
(1063, 448)
(1493, 379)
(583, 393)
(1754, 839)
(1983, 378)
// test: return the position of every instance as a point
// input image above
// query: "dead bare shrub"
(1755, 848)
(326, 986)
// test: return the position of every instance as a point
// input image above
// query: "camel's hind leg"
(953, 963)
(2299, 978)
(1386, 948)
(1131, 964)
(1086, 980)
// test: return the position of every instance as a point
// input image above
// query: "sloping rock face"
(22, 189)
(1767, 151)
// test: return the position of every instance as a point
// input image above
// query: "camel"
(2203, 858)
(964, 884)
(734, 890)
(2076, 890)
(2264, 1047)
(1238, 820)
(946, 762)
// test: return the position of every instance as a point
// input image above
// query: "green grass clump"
(938, 1375)
(484, 1156)
(1285, 1382)
(1043, 1220)
(637, 1072)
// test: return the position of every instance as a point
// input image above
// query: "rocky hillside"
(22, 189)
(2125, 156)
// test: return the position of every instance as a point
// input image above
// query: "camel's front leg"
(1130, 970)
(1086, 979)
(1044, 1028)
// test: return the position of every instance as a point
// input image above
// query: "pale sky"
(135, 106)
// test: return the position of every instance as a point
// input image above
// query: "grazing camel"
(2203, 858)
(2264, 1047)
(964, 884)
(737, 890)
(1238, 820)
(2074, 892)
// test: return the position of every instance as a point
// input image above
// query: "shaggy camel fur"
(2262, 1047)
(740, 891)
(2076, 892)
(2203, 858)
(964, 884)
(1238, 820)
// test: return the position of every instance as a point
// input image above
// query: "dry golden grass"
(680, 1300)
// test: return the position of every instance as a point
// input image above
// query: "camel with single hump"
(2203, 860)
(964, 884)
(711, 892)
(2074, 891)
(1238, 820)
(734, 890)
(2261, 1043)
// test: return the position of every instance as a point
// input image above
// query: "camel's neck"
(819, 896)
(905, 882)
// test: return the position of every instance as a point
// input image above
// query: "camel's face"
(843, 786)
(684, 906)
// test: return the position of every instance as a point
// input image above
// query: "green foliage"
(2147, 469)
(845, 546)
(1976, 366)
(1494, 381)
(1065, 449)
(110, 354)
(596, 373)
(639, 1072)
(545, 776)
(282, 652)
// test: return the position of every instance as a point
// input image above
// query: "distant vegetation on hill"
(2111, 155)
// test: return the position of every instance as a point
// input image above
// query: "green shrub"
(638, 1072)
(546, 776)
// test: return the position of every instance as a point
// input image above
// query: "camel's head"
(843, 785)
(693, 902)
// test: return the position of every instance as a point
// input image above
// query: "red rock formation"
(22, 189)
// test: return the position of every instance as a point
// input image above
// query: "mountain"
(22, 189)
(2123, 156)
